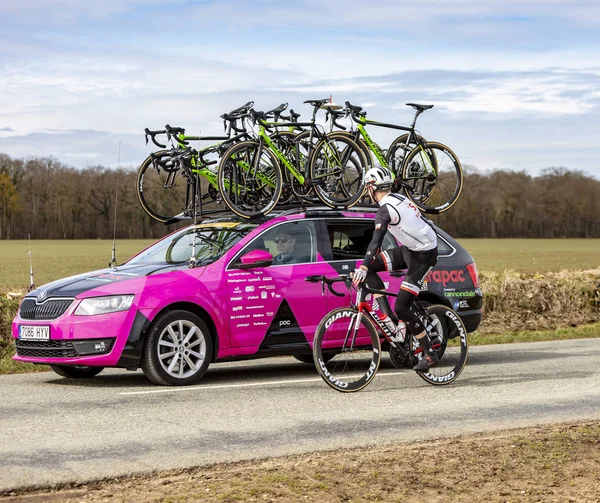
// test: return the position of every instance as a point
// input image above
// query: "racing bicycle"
(431, 169)
(168, 181)
(348, 341)
(251, 173)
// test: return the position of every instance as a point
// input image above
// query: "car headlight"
(104, 305)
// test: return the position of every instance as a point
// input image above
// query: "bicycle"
(254, 169)
(168, 178)
(431, 169)
(347, 344)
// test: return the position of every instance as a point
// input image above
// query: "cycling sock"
(425, 344)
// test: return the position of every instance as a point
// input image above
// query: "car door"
(347, 243)
(274, 308)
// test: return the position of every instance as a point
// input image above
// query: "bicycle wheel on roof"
(337, 170)
(249, 179)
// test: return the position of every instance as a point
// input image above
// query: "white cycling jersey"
(406, 223)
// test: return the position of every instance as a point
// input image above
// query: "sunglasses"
(282, 239)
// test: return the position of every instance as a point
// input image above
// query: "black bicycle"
(348, 342)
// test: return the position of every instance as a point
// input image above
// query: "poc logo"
(285, 323)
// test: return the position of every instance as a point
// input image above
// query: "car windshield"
(211, 240)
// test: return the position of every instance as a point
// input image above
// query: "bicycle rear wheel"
(250, 187)
(449, 339)
(337, 170)
(161, 187)
(434, 175)
(355, 341)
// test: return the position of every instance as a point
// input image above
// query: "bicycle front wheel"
(434, 176)
(448, 338)
(337, 171)
(249, 179)
(354, 340)
(161, 187)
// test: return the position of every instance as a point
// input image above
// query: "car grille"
(45, 349)
(48, 310)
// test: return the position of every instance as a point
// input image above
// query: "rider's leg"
(419, 266)
(374, 281)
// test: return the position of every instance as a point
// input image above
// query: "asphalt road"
(55, 430)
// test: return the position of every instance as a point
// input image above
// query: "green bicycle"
(251, 177)
(169, 181)
(429, 173)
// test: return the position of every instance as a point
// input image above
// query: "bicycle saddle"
(354, 108)
(317, 103)
(420, 107)
(277, 110)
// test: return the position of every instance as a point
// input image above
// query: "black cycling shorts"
(418, 263)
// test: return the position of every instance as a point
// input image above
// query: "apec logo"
(445, 277)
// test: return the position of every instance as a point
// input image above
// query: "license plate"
(34, 332)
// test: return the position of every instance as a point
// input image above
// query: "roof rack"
(279, 210)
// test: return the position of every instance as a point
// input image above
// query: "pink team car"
(246, 297)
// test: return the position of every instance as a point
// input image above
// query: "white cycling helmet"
(379, 178)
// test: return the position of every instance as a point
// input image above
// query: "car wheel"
(178, 349)
(76, 371)
(310, 359)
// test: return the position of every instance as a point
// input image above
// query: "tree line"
(44, 199)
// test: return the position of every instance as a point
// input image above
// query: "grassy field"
(533, 255)
(57, 259)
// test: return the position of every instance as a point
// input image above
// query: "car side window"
(350, 239)
(444, 249)
(289, 243)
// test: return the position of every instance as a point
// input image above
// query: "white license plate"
(34, 332)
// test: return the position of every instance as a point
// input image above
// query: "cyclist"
(418, 254)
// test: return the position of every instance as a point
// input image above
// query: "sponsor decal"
(266, 287)
(270, 313)
(234, 274)
(263, 295)
(252, 280)
(249, 288)
(445, 277)
(463, 303)
(237, 289)
(447, 377)
(258, 315)
(260, 324)
(460, 294)
(237, 281)
(255, 307)
(337, 316)
(235, 298)
(253, 297)
(242, 325)
(275, 295)
(238, 308)
(327, 374)
(285, 323)
(240, 317)
(267, 278)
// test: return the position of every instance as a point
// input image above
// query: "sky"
(515, 84)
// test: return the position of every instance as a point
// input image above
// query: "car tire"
(311, 360)
(76, 371)
(178, 349)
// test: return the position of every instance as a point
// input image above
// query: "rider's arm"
(382, 220)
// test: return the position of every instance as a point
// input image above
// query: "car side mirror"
(256, 258)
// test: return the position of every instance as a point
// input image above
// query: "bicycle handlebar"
(330, 281)
(174, 131)
(152, 135)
